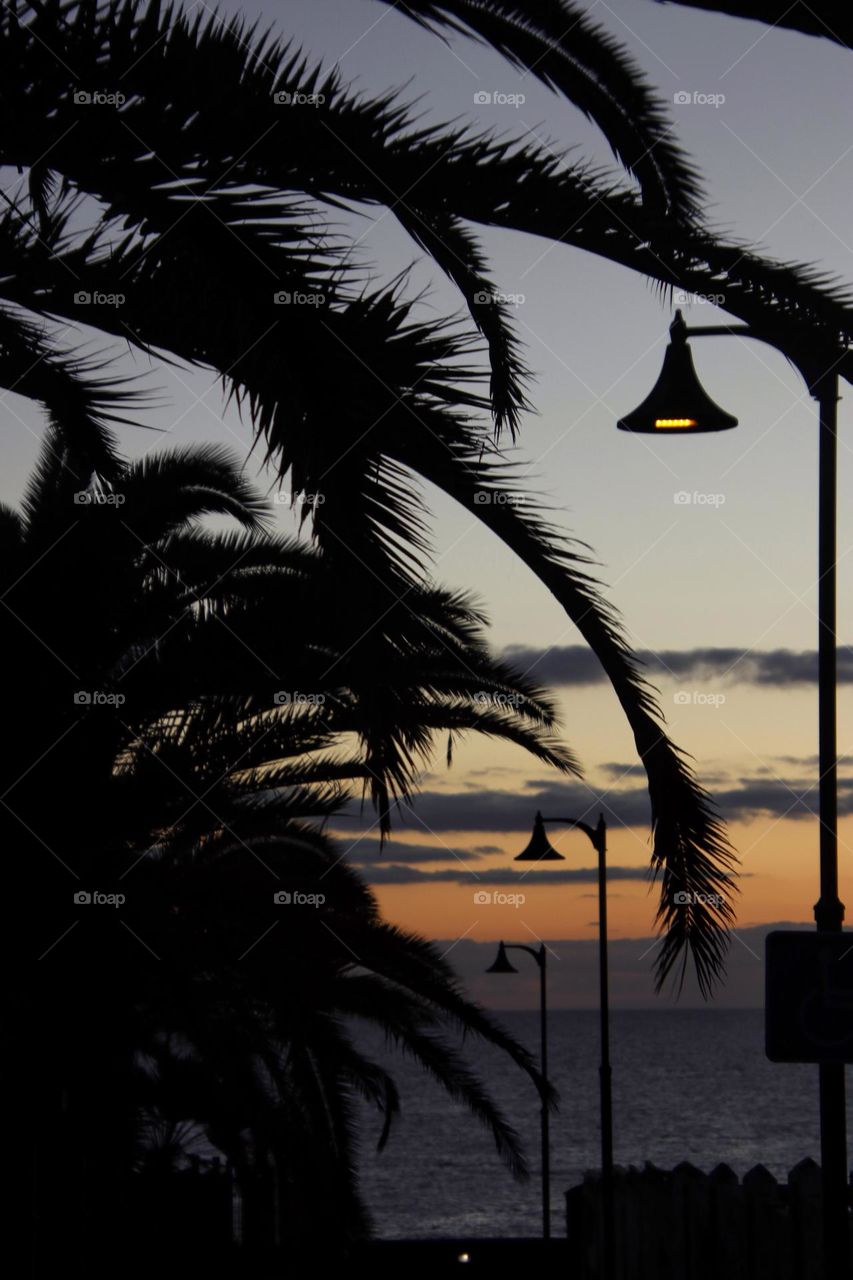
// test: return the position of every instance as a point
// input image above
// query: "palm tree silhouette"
(211, 213)
(185, 784)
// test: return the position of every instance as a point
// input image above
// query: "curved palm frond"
(557, 42)
(84, 403)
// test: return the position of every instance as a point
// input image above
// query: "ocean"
(687, 1085)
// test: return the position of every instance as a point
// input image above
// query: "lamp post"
(678, 405)
(540, 849)
(502, 965)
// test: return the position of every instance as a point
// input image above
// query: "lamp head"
(678, 404)
(539, 849)
(501, 964)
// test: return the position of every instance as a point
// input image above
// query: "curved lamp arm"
(538, 956)
(597, 835)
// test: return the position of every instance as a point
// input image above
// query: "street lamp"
(679, 405)
(502, 965)
(539, 849)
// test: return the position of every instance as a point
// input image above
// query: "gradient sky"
(738, 573)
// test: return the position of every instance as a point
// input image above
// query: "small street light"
(539, 849)
(502, 965)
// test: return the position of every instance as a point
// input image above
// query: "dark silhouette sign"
(809, 996)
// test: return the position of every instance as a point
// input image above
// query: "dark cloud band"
(576, 665)
(505, 811)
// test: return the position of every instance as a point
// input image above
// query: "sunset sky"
(719, 594)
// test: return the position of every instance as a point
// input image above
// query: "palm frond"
(690, 849)
(557, 42)
(84, 402)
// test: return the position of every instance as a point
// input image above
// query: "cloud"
(493, 810)
(367, 852)
(507, 811)
(574, 665)
(617, 771)
(521, 880)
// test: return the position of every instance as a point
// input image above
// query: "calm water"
(688, 1085)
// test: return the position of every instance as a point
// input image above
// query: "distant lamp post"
(679, 405)
(539, 849)
(502, 965)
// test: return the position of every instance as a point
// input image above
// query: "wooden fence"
(688, 1225)
(678, 1225)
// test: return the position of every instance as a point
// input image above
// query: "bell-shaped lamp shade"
(539, 849)
(502, 964)
(678, 404)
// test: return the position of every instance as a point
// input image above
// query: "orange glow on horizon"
(778, 882)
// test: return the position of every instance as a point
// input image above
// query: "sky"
(718, 591)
